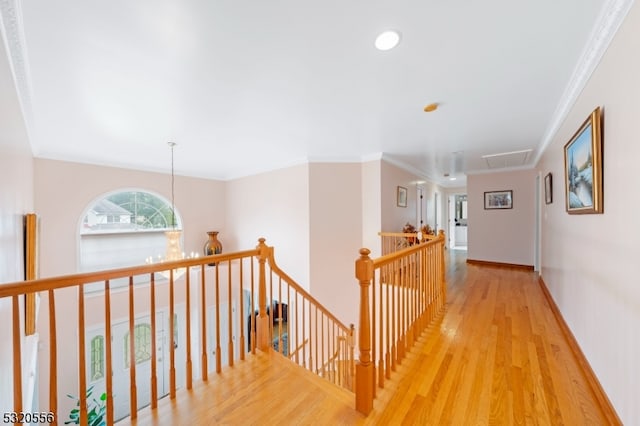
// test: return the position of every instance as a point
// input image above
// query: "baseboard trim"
(499, 264)
(599, 393)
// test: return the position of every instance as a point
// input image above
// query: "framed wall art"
(548, 189)
(498, 200)
(401, 197)
(583, 167)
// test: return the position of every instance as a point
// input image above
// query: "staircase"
(264, 389)
(224, 339)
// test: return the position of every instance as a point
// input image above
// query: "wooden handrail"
(293, 284)
(310, 322)
(73, 280)
(400, 293)
(315, 332)
(407, 235)
(298, 349)
(387, 259)
(130, 298)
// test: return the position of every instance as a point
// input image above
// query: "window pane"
(97, 358)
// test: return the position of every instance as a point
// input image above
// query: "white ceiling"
(248, 86)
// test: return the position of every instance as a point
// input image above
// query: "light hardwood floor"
(494, 356)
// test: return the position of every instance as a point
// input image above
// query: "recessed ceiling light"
(387, 40)
(452, 178)
(431, 107)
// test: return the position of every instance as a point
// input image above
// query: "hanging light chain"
(173, 202)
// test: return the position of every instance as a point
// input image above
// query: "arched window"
(97, 358)
(124, 228)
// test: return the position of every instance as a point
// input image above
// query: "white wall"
(63, 190)
(335, 212)
(273, 205)
(502, 235)
(371, 206)
(589, 261)
(16, 199)
(60, 202)
(394, 217)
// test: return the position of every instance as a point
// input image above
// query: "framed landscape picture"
(583, 167)
(498, 200)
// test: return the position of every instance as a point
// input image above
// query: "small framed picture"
(498, 200)
(548, 189)
(401, 198)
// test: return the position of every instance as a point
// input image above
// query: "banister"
(72, 280)
(391, 257)
(364, 368)
(274, 267)
(322, 334)
(262, 321)
(400, 293)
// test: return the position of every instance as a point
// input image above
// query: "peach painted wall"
(273, 205)
(16, 199)
(60, 201)
(372, 206)
(335, 212)
(588, 261)
(394, 217)
(504, 235)
(63, 190)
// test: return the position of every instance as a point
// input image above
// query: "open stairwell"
(266, 388)
(224, 339)
(235, 341)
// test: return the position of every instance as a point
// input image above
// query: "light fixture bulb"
(431, 107)
(387, 40)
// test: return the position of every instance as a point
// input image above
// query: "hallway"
(495, 356)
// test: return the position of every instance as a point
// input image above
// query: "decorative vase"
(213, 245)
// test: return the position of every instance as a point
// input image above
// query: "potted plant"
(96, 410)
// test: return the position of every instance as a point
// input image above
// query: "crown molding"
(11, 28)
(612, 15)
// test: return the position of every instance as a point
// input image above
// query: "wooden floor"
(265, 389)
(495, 356)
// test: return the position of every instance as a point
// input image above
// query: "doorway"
(120, 362)
(458, 226)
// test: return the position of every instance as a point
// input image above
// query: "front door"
(121, 363)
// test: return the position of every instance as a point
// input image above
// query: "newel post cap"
(364, 266)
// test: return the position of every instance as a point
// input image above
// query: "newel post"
(262, 322)
(443, 286)
(364, 367)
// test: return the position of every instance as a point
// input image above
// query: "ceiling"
(249, 86)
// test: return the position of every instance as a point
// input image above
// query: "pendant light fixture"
(174, 249)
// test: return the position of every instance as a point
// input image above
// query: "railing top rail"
(302, 291)
(43, 284)
(407, 234)
(391, 257)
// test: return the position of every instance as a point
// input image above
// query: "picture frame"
(401, 196)
(498, 200)
(548, 188)
(583, 167)
(30, 235)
